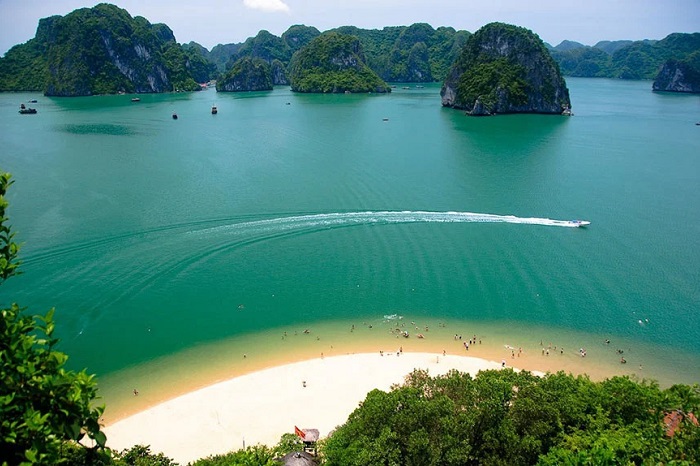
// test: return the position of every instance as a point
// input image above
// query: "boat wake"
(339, 219)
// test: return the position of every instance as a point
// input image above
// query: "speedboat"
(580, 223)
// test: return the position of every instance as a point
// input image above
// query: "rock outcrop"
(333, 63)
(505, 69)
(102, 50)
(279, 73)
(678, 76)
(247, 74)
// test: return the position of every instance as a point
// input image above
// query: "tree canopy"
(509, 418)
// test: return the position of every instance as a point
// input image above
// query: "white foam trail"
(383, 217)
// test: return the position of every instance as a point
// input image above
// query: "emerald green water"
(148, 233)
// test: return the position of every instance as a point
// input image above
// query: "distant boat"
(580, 223)
(420, 87)
(136, 99)
(174, 116)
(33, 101)
(385, 119)
(214, 110)
(24, 110)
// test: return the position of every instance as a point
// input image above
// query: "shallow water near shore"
(533, 348)
(167, 246)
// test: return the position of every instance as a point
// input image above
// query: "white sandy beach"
(260, 407)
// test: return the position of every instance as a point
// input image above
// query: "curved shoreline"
(176, 375)
(261, 406)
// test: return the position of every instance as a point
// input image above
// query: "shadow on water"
(506, 134)
(101, 129)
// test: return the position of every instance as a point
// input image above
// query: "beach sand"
(259, 407)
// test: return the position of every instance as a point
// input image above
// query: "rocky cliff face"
(678, 76)
(505, 69)
(247, 74)
(104, 50)
(279, 73)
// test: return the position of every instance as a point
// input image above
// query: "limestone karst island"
(391, 246)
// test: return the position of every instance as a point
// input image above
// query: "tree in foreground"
(508, 418)
(43, 406)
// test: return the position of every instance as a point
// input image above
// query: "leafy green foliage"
(333, 62)
(257, 455)
(24, 68)
(140, 455)
(509, 418)
(42, 405)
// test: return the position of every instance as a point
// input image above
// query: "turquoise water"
(151, 235)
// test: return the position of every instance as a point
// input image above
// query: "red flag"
(299, 432)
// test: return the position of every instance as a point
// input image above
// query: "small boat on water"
(33, 101)
(174, 116)
(136, 99)
(214, 110)
(24, 110)
(580, 223)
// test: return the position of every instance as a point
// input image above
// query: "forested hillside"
(625, 59)
(101, 50)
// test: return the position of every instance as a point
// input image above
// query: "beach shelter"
(298, 458)
(309, 437)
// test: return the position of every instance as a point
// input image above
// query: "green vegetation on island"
(625, 59)
(247, 74)
(505, 69)
(101, 50)
(333, 63)
(679, 75)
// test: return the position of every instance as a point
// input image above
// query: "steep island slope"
(101, 50)
(505, 69)
(679, 75)
(247, 74)
(333, 63)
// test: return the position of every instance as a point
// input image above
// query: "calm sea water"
(151, 235)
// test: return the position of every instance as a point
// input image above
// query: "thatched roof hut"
(298, 458)
(310, 435)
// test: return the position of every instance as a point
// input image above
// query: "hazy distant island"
(673, 62)
(104, 50)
